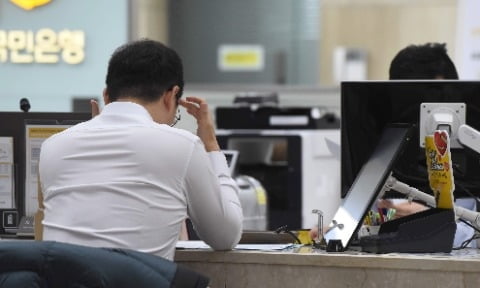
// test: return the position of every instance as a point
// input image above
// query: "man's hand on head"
(198, 108)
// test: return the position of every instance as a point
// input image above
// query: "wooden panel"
(382, 28)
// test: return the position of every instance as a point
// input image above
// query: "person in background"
(423, 62)
(127, 178)
(427, 61)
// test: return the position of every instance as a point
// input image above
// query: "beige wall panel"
(428, 24)
(382, 29)
(149, 19)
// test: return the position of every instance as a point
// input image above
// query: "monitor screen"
(366, 187)
(14, 127)
(368, 107)
(231, 156)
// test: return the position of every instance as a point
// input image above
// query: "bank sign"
(44, 46)
(52, 51)
(30, 4)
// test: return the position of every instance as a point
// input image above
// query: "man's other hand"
(95, 107)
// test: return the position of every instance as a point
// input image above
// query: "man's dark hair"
(143, 69)
(428, 61)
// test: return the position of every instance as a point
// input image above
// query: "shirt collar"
(128, 109)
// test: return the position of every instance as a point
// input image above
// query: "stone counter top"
(460, 268)
(461, 260)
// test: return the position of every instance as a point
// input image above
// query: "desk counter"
(306, 267)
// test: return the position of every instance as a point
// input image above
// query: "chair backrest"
(55, 264)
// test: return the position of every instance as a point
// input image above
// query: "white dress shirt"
(122, 180)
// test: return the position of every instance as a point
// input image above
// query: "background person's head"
(144, 70)
(427, 61)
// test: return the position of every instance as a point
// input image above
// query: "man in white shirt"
(126, 178)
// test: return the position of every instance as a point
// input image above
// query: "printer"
(285, 149)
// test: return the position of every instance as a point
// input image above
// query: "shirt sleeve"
(465, 232)
(212, 198)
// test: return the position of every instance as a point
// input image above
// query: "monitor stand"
(429, 231)
(366, 188)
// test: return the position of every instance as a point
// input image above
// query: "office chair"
(53, 264)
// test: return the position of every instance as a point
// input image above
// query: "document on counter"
(263, 247)
(7, 173)
(35, 135)
(259, 247)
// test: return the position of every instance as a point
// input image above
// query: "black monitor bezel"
(12, 124)
(384, 101)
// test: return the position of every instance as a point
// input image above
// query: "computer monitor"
(232, 158)
(368, 107)
(13, 126)
(369, 110)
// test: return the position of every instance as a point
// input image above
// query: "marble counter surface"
(307, 267)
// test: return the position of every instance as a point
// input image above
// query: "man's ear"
(106, 98)
(170, 97)
(176, 90)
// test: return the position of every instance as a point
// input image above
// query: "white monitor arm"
(469, 136)
(412, 193)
